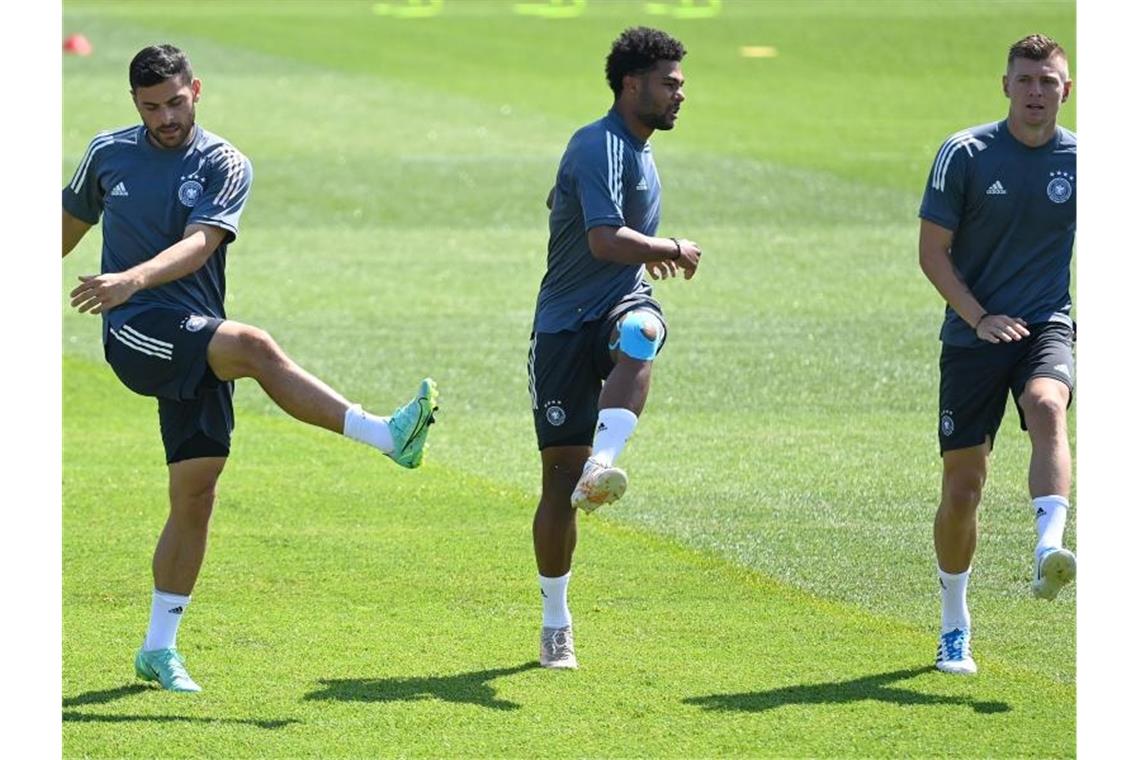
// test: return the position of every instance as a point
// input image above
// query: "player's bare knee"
(962, 489)
(558, 483)
(192, 508)
(259, 352)
(963, 478)
(1043, 408)
(560, 474)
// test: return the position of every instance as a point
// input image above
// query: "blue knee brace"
(631, 338)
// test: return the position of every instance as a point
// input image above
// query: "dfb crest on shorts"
(1060, 187)
(190, 190)
(946, 424)
(555, 414)
(194, 323)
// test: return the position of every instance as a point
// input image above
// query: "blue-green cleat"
(409, 425)
(167, 667)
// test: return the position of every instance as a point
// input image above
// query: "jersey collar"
(618, 123)
(1047, 146)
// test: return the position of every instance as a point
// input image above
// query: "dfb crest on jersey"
(190, 190)
(1060, 187)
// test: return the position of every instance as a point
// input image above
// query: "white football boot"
(1056, 568)
(598, 485)
(954, 655)
(556, 648)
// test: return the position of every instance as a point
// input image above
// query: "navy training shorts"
(161, 352)
(566, 370)
(976, 381)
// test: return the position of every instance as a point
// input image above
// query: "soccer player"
(170, 195)
(597, 327)
(996, 240)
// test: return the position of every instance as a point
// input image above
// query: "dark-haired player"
(170, 195)
(597, 328)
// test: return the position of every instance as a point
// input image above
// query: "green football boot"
(167, 667)
(409, 425)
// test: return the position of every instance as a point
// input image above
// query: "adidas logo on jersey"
(1062, 368)
(120, 189)
(996, 189)
(643, 185)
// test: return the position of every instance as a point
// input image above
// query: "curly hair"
(637, 50)
(1036, 47)
(157, 63)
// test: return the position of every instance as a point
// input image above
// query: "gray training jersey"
(606, 178)
(147, 196)
(1013, 211)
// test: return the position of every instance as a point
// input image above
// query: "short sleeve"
(945, 196)
(229, 176)
(83, 197)
(599, 178)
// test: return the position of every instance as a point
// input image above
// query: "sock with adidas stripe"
(165, 616)
(615, 426)
(1051, 513)
(955, 614)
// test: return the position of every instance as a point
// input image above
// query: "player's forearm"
(183, 258)
(937, 267)
(624, 245)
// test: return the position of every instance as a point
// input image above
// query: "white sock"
(1051, 514)
(361, 426)
(165, 615)
(615, 426)
(954, 612)
(555, 612)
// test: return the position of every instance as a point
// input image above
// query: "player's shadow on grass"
(104, 696)
(78, 717)
(860, 689)
(466, 688)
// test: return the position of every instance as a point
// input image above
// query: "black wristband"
(979, 322)
(678, 244)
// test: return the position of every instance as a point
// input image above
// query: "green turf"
(765, 588)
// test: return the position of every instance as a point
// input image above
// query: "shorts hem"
(958, 445)
(581, 439)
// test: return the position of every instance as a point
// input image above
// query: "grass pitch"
(765, 588)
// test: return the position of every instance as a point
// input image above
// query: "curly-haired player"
(597, 327)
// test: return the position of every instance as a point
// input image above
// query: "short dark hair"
(1035, 47)
(157, 63)
(637, 50)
